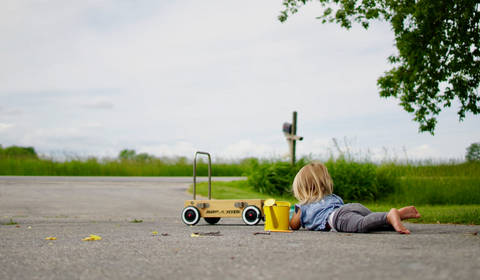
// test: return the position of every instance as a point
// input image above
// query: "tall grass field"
(113, 167)
(394, 183)
(19, 161)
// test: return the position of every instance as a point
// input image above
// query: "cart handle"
(195, 175)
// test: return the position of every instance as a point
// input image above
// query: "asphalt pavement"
(161, 246)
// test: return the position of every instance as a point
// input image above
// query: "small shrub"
(18, 152)
(133, 156)
(127, 154)
(274, 177)
(353, 181)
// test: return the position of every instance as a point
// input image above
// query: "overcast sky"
(172, 77)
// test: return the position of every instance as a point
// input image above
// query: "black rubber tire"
(190, 215)
(251, 215)
(212, 221)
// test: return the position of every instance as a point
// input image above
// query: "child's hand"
(295, 221)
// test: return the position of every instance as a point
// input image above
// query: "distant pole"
(290, 131)
(294, 132)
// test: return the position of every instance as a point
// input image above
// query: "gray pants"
(357, 218)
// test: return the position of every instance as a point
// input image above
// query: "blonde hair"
(312, 182)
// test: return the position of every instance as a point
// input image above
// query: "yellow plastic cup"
(277, 216)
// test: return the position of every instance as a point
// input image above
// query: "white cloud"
(246, 148)
(182, 148)
(9, 111)
(93, 125)
(312, 147)
(6, 126)
(402, 154)
(423, 151)
(72, 141)
(99, 103)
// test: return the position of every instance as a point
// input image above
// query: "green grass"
(113, 167)
(433, 184)
(10, 223)
(236, 190)
(407, 183)
(443, 214)
(436, 191)
(431, 214)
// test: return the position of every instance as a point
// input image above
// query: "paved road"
(72, 208)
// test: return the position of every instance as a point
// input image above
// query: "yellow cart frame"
(250, 210)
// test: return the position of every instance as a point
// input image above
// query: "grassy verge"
(431, 214)
(236, 190)
(436, 190)
(113, 167)
(443, 214)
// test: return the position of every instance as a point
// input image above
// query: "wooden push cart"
(250, 210)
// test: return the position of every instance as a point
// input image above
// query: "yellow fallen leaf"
(154, 232)
(51, 238)
(196, 235)
(92, 238)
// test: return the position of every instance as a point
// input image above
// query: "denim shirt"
(314, 215)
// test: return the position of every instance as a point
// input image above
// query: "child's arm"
(295, 221)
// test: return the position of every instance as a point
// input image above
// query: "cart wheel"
(251, 215)
(190, 215)
(212, 221)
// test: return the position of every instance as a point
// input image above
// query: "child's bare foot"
(409, 212)
(393, 218)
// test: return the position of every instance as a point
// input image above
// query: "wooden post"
(290, 131)
(293, 143)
